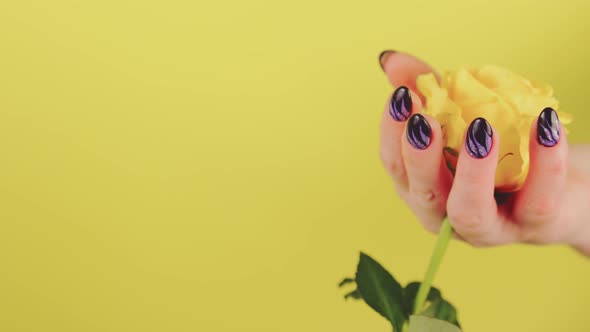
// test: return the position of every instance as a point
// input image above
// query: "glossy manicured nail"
(548, 127)
(418, 131)
(400, 105)
(479, 138)
(383, 57)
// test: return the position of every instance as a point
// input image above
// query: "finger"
(471, 207)
(403, 69)
(399, 107)
(538, 201)
(428, 177)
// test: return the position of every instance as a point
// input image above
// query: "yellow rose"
(508, 101)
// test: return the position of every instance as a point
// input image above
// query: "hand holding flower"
(503, 139)
(481, 154)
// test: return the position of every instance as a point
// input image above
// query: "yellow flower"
(508, 101)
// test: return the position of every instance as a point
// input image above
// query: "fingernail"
(418, 131)
(383, 57)
(400, 105)
(548, 127)
(479, 138)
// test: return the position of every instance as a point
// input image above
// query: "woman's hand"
(552, 207)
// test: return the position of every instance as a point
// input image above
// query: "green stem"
(446, 232)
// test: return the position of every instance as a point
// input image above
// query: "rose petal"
(494, 77)
(464, 88)
(508, 101)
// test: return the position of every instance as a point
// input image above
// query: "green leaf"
(451, 151)
(355, 295)
(381, 291)
(427, 324)
(442, 310)
(410, 295)
(450, 154)
(346, 281)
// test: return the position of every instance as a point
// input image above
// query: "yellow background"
(213, 165)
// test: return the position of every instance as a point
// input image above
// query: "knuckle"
(543, 210)
(477, 244)
(425, 196)
(481, 241)
(394, 168)
(429, 225)
(465, 221)
(537, 235)
(430, 219)
(528, 235)
(470, 240)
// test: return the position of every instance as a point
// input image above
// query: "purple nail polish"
(548, 127)
(400, 105)
(418, 132)
(479, 138)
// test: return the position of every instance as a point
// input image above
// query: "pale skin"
(553, 207)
